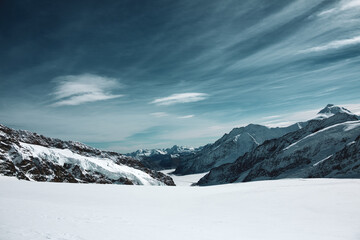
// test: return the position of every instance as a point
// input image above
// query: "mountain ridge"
(163, 158)
(231, 146)
(273, 158)
(31, 156)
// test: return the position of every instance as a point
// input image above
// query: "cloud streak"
(180, 98)
(186, 116)
(334, 45)
(84, 88)
(159, 114)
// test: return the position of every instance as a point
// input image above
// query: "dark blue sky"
(124, 75)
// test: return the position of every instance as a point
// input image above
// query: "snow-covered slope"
(298, 209)
(160, 159)
(302, 153)
(231, 146)
(31, 156)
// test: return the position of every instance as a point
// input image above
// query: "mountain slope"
(343, 164)
(30, 156)
(296, 154)
(231, 146)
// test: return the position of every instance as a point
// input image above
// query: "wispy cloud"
(334, 45)
(79, 89)
(186, 116)
(342, 6)
(348, 4)
(271, 117)
(159, 114)
(180, 98)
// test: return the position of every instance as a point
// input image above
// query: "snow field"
(293, 209)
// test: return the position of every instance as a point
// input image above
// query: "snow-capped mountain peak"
(332, 109)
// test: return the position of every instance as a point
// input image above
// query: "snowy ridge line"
(322, 130)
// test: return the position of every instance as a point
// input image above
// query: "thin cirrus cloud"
(186, 116)
(159, 114)
(180, 98)
(84, 88)
(334, 45)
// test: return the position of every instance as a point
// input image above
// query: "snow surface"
(184, 180)
(104, 166)
(319, 209)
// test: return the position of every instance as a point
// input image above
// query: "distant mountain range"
(327, 146)
(30, 156)
(160, 159)
(229, 147)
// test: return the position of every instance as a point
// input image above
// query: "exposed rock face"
(343, 164)
(325, 147)
(28, 155)
(231, 146)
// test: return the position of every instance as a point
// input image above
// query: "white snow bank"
(314, 209)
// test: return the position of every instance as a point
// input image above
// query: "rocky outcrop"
(343, 164)
(31, 156)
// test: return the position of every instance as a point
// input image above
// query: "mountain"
(160, 159)
(231, 146)
(30, 156)
(327, 146)
(331, 110)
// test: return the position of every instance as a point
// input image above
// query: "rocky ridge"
(31, 156)
(325, 147)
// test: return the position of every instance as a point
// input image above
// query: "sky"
(124, 75)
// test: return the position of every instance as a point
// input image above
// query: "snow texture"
(297, 209)
(184, 180)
